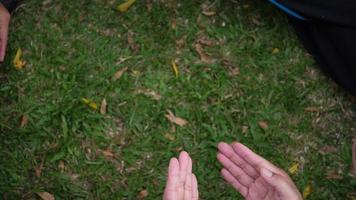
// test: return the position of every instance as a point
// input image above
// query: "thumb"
(281, 184)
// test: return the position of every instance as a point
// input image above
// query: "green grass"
(73, 48)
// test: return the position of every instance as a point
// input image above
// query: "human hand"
(253, 176)
(4, 28)
(182, 183)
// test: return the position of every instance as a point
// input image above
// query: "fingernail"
(267, 173)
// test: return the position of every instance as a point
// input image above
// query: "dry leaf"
(332, 175)
(170, 136)
(24, 121)
(45, 196)
(293, 169)
(18, 62)
(327, 149)
(175, 68)
(149, 5)
(38, 170)
(103, 106)
(205, 41)
(150, 93)
(205, 58)
(107, 153)
(181, 42)
(263, 125)
(119, 73)
(312, 109)
(275, 51)
(61, 165)
(174, 24)
(354, 157)
(231, 68)
(133, 46)
(125, 6)
(142, 194)
(176, 120)
(307, 191)
(90, 103)
(244, 129)
(208, 13)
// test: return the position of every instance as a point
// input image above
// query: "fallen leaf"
(24, 121)
(263, 125)
(205, 41)
(244, 129)
(176, 120)
(45, 196)
(275, 51)
(353, 171)
(61, 165)
(18, 62)
(119, 73)
(231, 68)
(293, 169)
(205, 58)
(332, 175)
(149, 5)
(38, 170)
(125, 6)
(175, 68)
(103, 106)
(170, 136)
(133, 46)
(208, 13)
(135, 72)
(150, 93)
(107, 153)
(142, 194)
(181, 42)
(307, 191)
(90, 103)
(174, 24)
(312, 109)
(327, 149)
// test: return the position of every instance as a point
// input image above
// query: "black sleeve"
(341, 12)
(10, 5)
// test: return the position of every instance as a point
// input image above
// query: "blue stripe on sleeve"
(287, 10)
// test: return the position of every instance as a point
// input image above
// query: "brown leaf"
(204, 57)
(107, 153)
(354, 156)
(263, 125)
(332, 175)
(176, 120)
(180, 43)
(205, 41)
(103, 106)
(142, 194)
(45, 196)
(119, 73)
(24, 121)
(61, 165)
(244, 129)
(149, 5)
(231, 68)
(327, 149)
(38, 170)
(312, 109)
(150, 93)
(133, 46)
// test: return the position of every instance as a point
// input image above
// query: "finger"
(183, 168)
(254, 159)
(229, 152)
(195, 192)
(285, 188)
(3, 39)
(188, 187)
(235, 183)
(170, 192)
(236, 171)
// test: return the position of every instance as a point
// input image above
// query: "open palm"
(254, 177)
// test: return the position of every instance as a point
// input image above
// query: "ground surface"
(256, 85)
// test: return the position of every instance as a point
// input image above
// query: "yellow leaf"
(90, 103)
(18, 63)
(294, 168)
(135, 72)
(175, 68)
(275, 51)
(125, 6)
(307, 190)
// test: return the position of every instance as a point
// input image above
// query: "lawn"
(239, 73)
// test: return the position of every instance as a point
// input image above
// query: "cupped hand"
(182, 183)
(4, 28)
(253, 176)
